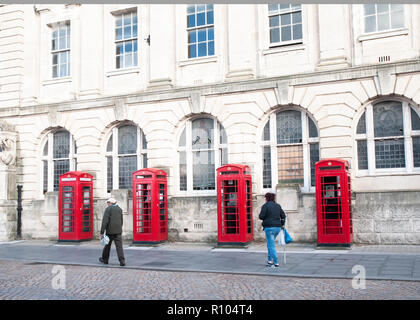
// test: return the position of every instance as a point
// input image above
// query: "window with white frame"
(200, 28)
(285, 22)
(382, 17)
(58, 157)
(126, 46)
(202, 149)
(60, 50)
(290, 149)
(126, 152)
(388, 138)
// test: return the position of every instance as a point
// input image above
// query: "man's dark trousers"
(118, 244)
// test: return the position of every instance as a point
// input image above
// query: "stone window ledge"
(284, 48)
(56, 81)
(383, 34)
(415, 172)
(120, 72)
(197, 61)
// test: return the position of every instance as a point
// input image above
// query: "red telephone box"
(234, 204)
(150, 206)
(75, 208)
(333, 202)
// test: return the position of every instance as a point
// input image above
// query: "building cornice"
(225, 88)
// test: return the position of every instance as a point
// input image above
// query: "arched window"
(290, 149)
(126, 152)
(58, 157)
(388, 138)
(202, 149)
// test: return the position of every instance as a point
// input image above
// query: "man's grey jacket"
(112, 221)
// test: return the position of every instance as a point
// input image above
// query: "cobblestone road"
(19, 280)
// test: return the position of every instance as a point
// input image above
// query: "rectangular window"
(202, 133)
(223, 156)
(289, 127)
(416, 151)
(285, 22)
(222, 133)
(109, 173)
(388, 120)
(381, 17)
(45, 173)
(144, 155)
(60, 50)
(61, 144)
(200, 28)
(183, 171)
(126, 51)
(314, 154)
(362, 158)
(203, 170)
(266, 167)
(127, 165)
(290, 164)
(127, 139)
(61, 151)
(390, 153)
(60, 167)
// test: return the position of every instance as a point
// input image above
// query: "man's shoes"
(276, 265)
(122, 264)
(102, 261)
(269, 263)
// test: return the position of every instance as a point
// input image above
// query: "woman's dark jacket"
(272, 215)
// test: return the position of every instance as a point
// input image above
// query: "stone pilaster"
(334, 36)
(8, 194)
(241, 62)
(161, 47)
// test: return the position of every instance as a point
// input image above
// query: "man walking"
(112, 223)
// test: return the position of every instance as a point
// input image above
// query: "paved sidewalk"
(302, 260)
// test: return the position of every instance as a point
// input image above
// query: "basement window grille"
(198, 226)
(384, 59)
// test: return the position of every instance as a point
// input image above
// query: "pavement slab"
(387, 262)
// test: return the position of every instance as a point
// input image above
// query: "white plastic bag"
(280, 238)
(282, 243)
(105, 240)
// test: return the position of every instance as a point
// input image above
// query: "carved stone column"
(8, 194)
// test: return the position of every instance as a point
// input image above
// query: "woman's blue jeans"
(271, 234)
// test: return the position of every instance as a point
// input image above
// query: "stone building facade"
(108, 89)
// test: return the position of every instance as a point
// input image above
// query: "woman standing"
(273, 218)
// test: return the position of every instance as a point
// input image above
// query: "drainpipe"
(19, 212)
